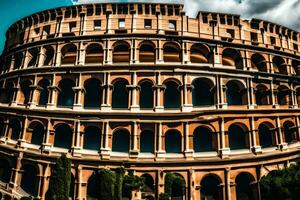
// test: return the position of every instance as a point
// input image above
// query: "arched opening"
(203, 92)
(259, 62)
(121, 53)
(44, 92)
(69, 54)
(5, 170)
(92, 189)
(262, 95)
(296, 67)
(146, 95)
(284, 96)
(237, 136)
(147, 142)
(72, 187)
(18, 60)
(38, 131)
(203, 139)
(173, 142)
(235, 93)
(33, 57)
(1, 127)
(279, 65)
(92, 138)
(63, 136)
(93, 93)
(66, 93)
(200, 54)
(49, 55)
(172, 95)
(232, 57)
(25, 89)
(14, 129)
(172, 52)
(290, 134)
(210, 188)
(94, 54)
(147, 53)
(121, 141)
(120, 94)
(29, 182)
(243, 186)
(8, 92)
(149, 189)
(265, 135)
(175, 186)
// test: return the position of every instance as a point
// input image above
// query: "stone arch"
(290, 133)
(92, 138)
(66, 93)
(172, 52)
(29, 180)
(149, 188)
(244, 187)
(266, 135)
(174, 188)
(232, 57)
(120, 94)
(279, 65)
(296, 67)
(25, 91)
(236, 93)
(259, 62)
(121, 141)
(92, 186)
(147, 52)
(203, 93)
(94, 53)
(5, 170)
(121, 52)
(262, 95)
(173, 141)
(200, 53)
(2, 133)
(146, 94)
(63, 136)
(203, 139)
(33, 56)
(18, 57)
(43, 85)
(37, 130)
(14, 129)
(93, 93)
(147, 141)
(210, 187)
(69, 54)
(284, 95)
(238, 136)
(49, 56)
(172, 94)
(8, 92)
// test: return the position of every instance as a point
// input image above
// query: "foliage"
(174, 183)
(105, 184)
(131, 183)
(283, 184)
(59, 186)
(25, 198)
(120, 172)
(164, 196)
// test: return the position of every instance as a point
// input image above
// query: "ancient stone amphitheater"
(214, 99)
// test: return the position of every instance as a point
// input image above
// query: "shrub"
(131, 183)
(119, 182)
(164, 196)
(105, 184)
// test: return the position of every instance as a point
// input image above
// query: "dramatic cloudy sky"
(285, 12)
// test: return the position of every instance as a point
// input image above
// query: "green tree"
(105, 184)
(120, 172)
(131, 183)
(174, 185)
(59, 186)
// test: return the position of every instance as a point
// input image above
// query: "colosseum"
(214, 99)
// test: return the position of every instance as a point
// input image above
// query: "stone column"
(78, 183)
(57, 62)
(160, 153)
(107, 93)
(186, 107)
(160, 52)
(254, 146)
(274, 95)
(227, 184)
(224, 151)
(281, 144)
(46, 146)
(105, 149)
(41, 57)
(133, 93)
(158, 93)
(5, 131)
(16, 173)
(81, 54)
(16, 90)
(188, 153)
(76, 144)
(21, 140)
(251, 96)
(298, 126)
(134, 152)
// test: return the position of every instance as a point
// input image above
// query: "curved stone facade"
(214, 99)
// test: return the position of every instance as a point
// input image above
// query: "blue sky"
(285, 12)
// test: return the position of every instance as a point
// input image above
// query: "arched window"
(147, 53)
(172, 95)
(120, 94)
(69, 54)
(259, 62)
(203, 94)
(93, 93)
(92, 138)
(243, 186)
(149, 184)
(200, 54)
(284, 96)
(94, 54)
(290, 134)
(63, 136)
(8, 92)
(146, 95)
(172, 52)
(29, 182)
(203, 139)
(49, 56)
(44, 92)
(237, 137)
(235, 93)
(25, 88)
(121, 141)
(265, 136)
(66, 93)
(296, 67)
(33, 55)
(173, 142)
(279, 65)
(232, 57)
(18, 60)
(5, 170)
(147, 142)
(175, 185)
(38, 131)
(210, 188)
(92, 189)
(14, 129)
(121, 53)
(261, 95)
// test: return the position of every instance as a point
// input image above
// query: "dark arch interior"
(210, 188)
(25, 88)
(265, 135)
(63, 136)
(49, 56)
(289, 132)
(121, 141)
(121, 53)
(172, 53)
(173, 142)
(66, 94)
(7, 94)
(2, 133)
(234, 94)
(29, 179)
(18, 60)
(243, 187)
(93, 93)
(279, 65)
(261, 95)
(15, 129)
(94, 54)
(259, 62)
(232, 57)
(283, 96)
(203, 139)
(44, 92)
(69, 54)
(147, 142)
(172, 95)
(34, 57)
(146, 95)
(147, 53)
(92, 138)
(5, 170)
(92, 183)
(37, 133)
(237, 137)
(202, 93)
(149, 183)
(200, 54)
(177, 185)
(120, 94)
